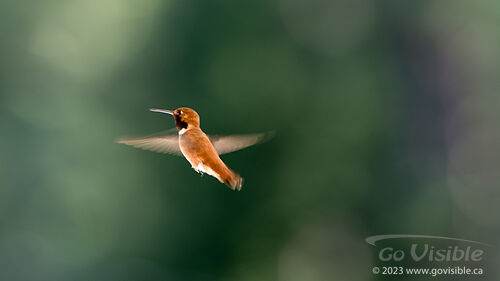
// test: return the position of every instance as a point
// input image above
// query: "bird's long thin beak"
(162, 111)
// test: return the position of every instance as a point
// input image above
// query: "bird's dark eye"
(179, 112)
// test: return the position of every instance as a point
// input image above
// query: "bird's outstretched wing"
(228, 143)
(170, 143)
(158, 143)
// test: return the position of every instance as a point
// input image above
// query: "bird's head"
(184, 117)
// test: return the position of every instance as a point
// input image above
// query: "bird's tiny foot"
(199, 172)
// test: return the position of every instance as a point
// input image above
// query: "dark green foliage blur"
(385, 112)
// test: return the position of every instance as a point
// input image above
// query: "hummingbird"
(200, 150)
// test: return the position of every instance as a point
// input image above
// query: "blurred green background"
(386, 115)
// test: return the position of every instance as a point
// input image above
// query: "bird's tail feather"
(234, 181)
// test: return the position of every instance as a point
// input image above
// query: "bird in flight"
(201, 151)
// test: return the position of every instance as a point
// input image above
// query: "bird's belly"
(207, 170)
(198, 166)
(199, 152)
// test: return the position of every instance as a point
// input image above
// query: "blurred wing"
(163, 144)
(230, 143)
